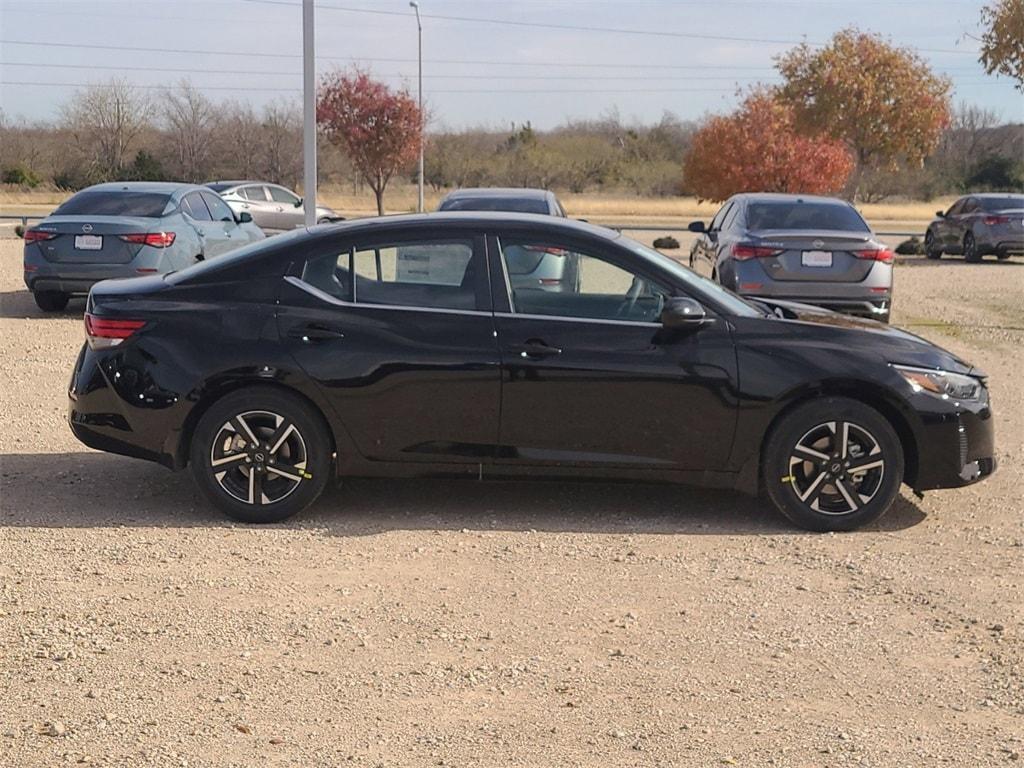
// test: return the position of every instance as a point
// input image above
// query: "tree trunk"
(379, 193)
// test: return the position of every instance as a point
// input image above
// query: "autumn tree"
(1002, 43)
(883, 101)
(758, 148)
(105, 120)
(378, 128)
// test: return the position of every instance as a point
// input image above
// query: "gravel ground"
(434, 623)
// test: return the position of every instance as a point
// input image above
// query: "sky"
(486, 63)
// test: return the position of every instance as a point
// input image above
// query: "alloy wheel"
(836, 468)
(259, 457)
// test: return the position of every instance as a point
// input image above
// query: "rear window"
(786, 215)
(1008, 203)
(509, 204)
(219, 187)
(114, 203)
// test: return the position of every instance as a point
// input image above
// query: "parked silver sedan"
(976, 225)
(271, 206)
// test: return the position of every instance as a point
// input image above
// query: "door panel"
(410, 384)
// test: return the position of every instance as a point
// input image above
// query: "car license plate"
(89, 242)
(816, 259)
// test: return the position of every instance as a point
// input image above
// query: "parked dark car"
(125, 229)
(316, 354)
(550, 270)
(804, 248)
(978, 225)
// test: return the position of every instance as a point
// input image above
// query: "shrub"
(19, 230)
(911, 247)
(20, 175)
(666, 243)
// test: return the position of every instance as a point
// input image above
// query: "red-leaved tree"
(378, 128)
(758, 149)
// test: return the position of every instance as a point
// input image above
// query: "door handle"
(535, 350)
(313, 332)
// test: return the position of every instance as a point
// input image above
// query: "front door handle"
(534, 349)
(313, 332)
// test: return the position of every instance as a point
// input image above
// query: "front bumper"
(956, 444)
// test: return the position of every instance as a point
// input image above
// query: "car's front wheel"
(51, 301)
(832, 464)
(261, 455)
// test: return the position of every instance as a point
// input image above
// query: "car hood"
(896, 344)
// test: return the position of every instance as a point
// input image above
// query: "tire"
(235, 486)
(971, 252)
(797, 481)
(51, 301)
(930, 251)
(1002, 255)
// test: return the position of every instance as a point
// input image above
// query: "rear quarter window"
(114, 203)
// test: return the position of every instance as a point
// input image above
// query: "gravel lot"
(433, 623)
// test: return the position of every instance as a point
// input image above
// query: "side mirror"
(697, 226)
(682, 312)
(245, 217)
(298, 203)
(941, 214)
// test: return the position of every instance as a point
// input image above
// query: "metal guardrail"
(23, 219)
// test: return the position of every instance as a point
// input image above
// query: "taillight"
(744, 252)
(880, 254)
(992, 220)
(155, 239)
(102, 332)
(35, 235)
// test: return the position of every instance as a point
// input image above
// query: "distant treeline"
(115, 132)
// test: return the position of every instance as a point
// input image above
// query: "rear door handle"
(313, 332)
(535, 350)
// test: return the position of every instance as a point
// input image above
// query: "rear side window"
(253, 193)
(1008, 203)
(786, 215)
(114, 203)
(509, 204)
(193, 205)
(279, 195)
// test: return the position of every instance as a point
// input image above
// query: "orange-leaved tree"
(758, 149)
(883, 101)
(1002, 43)
(377, 127)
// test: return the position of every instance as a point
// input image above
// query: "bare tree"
(104, 120)
(191, 124)
(281, 143)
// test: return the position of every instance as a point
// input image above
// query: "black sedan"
(396, 347)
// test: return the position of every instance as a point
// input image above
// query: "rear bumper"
(74, 278)
(1010, 245)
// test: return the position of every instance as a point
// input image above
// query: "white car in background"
(271, 206)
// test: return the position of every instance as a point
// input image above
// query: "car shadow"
(20, 305)
(956, 261)
(97, 490)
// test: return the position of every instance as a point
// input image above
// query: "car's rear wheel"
(51, 301)
(931, 249)
(832, 464)
(261, 455)
(971, 252)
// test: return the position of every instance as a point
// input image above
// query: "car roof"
(159, 187)
(464, 218)
(992, 195)
(526, 193)
(230, 183)
(784, 197)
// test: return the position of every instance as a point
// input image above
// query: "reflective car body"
(456, 373)
(126, 229)
(816, 250)
(271, 206)
(978, 225)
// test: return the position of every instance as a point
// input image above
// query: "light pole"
(308, 114)
(419, 57)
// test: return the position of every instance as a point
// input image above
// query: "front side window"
(280, 195)
(548, 278)
(193, 205)
(218, 208)
(716, 223)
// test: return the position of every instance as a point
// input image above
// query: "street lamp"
(419, 45)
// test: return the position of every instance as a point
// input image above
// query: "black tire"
(51, 301)
(930, 250)
(1002, 255)
(971, 252)
(303, 451)
(796, 485)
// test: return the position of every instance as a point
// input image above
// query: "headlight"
(948, 386)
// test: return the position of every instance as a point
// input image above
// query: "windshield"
(510, 204)
(802, 215)
(996, 204)
(114, 202)
(726, 298)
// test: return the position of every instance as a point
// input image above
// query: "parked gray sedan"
(127, 229)
(271, 206)
(813, 250)
(977, 225)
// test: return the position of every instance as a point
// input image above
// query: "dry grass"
(604, 207)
